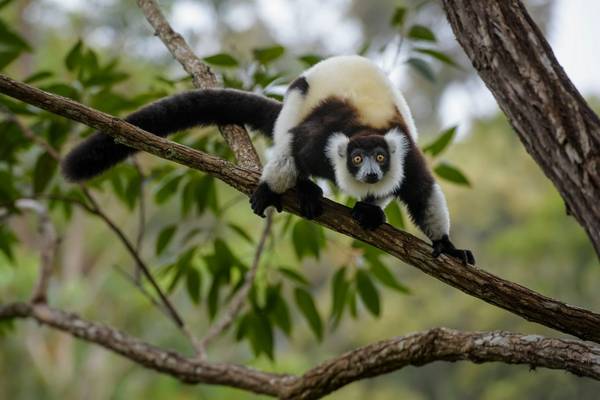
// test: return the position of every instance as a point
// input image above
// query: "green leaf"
(267, 55)
(238, 229)
(422, 67)
(164, 238)
(193, 284)
(38, 76)
(260, 334)
(43, 171)
(339, 292)
(307, 239)
(168, 189)
(280, 315)
(222, 60)
(450, 173)
(292, 275)
(383, 275)
(7, 239)
(213, 296)
(398, 17)
(420, 32)
(305, 303)
(438, 55)
(4, 3)
(367, 292)
(74, 56)
(310, 59)
(12, 41)
(443, 140)
(394, 214)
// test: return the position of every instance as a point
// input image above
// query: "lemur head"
(367, 157)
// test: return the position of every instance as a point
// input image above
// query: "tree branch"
(555, 124)
(474, 281)
(236, 137)
(48, 245)
(379, 358)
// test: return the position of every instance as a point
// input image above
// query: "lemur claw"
(369, 216)
(309, 198)
(445, 246)
(264, 197)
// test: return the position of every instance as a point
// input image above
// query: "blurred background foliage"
(315, 291)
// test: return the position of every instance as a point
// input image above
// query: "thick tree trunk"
(552, 119)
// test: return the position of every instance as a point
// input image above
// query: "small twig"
(29, 134)
(48, 245)
(141, 214)
(240, 298)
(131, 249)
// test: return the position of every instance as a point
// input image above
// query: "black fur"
(445, 246)
(309, 198)
(264, 197)
(300, 84)
(369, 216)
(175, 113)
(417, 184)
(311, 136)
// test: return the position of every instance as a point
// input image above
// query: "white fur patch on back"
(362, 83)
(436, 221)
(336, 153)
(280, 172)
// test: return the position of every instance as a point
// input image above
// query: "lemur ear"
(338, 145)
(395, 140)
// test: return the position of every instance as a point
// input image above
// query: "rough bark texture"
(237, 137)
(474, 281)
(439, 344)
(552, 119)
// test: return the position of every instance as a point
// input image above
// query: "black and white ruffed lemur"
(341, 120)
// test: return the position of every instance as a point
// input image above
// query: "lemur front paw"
(309, 198)
(369, 216)
(264, 197)
(445, 246)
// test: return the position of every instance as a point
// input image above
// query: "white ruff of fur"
(363, 84)
(336, 153)
(280, 172)
(437, 218)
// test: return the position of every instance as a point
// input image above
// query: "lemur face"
(368, 158)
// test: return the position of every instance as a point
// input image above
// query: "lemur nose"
(372, 177)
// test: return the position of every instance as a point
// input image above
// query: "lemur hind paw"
(369, 216)
(445, 246)
(264, 197)
(309, 198)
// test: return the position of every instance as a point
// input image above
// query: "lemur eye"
(357, 160)
(380, 158)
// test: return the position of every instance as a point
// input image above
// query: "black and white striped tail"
(99, 152)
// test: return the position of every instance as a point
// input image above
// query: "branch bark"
(550, 116)
(474, 281)
(379, 358)
(237, 137)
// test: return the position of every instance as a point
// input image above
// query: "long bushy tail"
(99, 152)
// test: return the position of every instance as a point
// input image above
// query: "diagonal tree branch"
(474, 281)
(553, 121)
(236, 137)
(379, 358)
